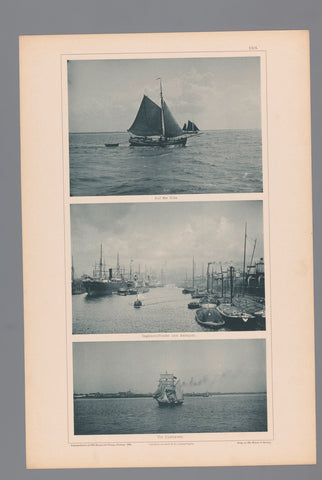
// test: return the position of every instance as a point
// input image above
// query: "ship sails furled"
(154, 120)
(169, 391)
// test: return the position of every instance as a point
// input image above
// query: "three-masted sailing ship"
(155, 125)
(169, 392)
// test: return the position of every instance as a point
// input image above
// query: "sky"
(165, 235)
(215, 93)
(204, 365)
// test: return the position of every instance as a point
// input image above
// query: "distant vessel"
(191, 290)
(155, 126)
(111, 145)
(102, 282)
(77, 284)
(190, 127)
(169, 392)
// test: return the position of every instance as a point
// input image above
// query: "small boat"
(198, 294)
(122, 291)
(111, 144)
(155, 126)
(193, 305)
(190, 127)
(132, 291)
(208, 317)
(169, 392)
(137, 303)
(188, 290)
(213, 299)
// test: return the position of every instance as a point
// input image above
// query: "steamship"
(102, 282)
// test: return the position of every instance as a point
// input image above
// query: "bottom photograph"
(176, 386)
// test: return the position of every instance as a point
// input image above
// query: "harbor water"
(218, 413)
(218, 161)
(163, 310)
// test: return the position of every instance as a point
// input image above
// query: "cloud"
(155, 234)
(214, 92)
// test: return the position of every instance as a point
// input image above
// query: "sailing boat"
(169, 392)
(207, 315)
(155, 126)
(192, 289)
(190, 127)
(235, 318)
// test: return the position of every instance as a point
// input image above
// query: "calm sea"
(219, 413)
(219, 161)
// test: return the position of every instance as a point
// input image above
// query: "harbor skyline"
(164, 236)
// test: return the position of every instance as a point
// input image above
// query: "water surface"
(219, 413)
(218, 161)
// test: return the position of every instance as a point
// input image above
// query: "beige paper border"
(287, 211)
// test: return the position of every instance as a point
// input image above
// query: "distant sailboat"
(153, 121)
(190, 127)
(169, 392)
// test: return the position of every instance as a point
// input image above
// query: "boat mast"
(208, 279)
(244, 257)
(193, 272)
(162, 108)
(73, 271)
(251, 261)
(101, 263)
(131, 269)
(118, 264)
(212, 279)
(231, 270)
(222, 281)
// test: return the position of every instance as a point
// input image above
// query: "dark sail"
(190, 127)
(148, 119)
(171, 126)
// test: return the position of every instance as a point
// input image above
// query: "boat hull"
(235, 320)
(96, 288)
(209, 318)
(160, 142)
(193, 305)
(169, 404)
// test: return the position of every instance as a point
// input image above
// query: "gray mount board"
(24, 17)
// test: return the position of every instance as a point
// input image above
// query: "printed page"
(167, 246)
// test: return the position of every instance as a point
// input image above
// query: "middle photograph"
(167, 267)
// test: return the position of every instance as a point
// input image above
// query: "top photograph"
(165, 126)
